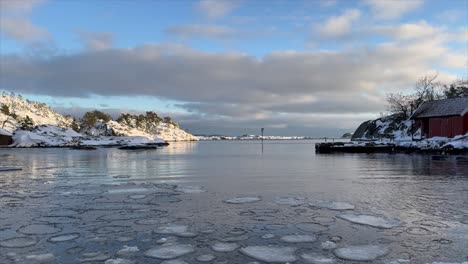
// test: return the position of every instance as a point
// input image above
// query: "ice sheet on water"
(165, 240)
(190, 189)
(119, 261)
(64, 237)
(41, 258)
(361, 253)
(298, 238)
(127, 190)
(224, 247)
(169, 251)
(243, 200)
(174, 261)
(126, 250)
(332, 205)
(464, 262)
(94, 257)
(205, 258)
(328, 245)
(370, 220)
(38, 229)
(317, 258)
(137, 196)
(171, 229)
(270, 254)
(58, 219)
(311, 227)
(292, 201)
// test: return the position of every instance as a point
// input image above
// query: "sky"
(303, 67)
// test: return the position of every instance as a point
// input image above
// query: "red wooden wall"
(445, 126)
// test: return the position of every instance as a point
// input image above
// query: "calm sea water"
(87, 205)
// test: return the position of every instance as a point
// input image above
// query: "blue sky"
(228, 66)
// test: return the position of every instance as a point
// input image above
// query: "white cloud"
(16, 24)
(338, 26)
(18, 6)
(408, 30)
(216, 8)
(328, 3)
(201, 31)
(97, 40)
(22, 29)
(392, 9)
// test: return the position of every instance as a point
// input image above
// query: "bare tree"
(399, 104)
(426, 89)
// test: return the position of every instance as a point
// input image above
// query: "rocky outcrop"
(389, 127)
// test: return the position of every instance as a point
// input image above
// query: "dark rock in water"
(10, 169)
(439, 157)
(158, 144)
(138, 147)
(84, 147)
(461, 159)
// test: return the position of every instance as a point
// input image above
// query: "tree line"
(147, 121)
(426, 89)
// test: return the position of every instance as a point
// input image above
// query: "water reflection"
(105, 199)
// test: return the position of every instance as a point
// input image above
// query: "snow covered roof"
(3, 132)
(446, 107)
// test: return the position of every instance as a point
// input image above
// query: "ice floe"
(64, 237)
(174, 261)
(126, 250)
(190, 189)
(38, 229)
(119, 261)
(298, 238)
(165, 240)
(205, 258)
(332, 205)
(224, 247)
(171, 229)
(270, 254)
(169, 251)
(18, 242)
(361, 253)
(370, 220)
(311, 227)
(41, 258)
(292, 201)
(317, 258)
(328, 245)
(268, 236)
(243, 200)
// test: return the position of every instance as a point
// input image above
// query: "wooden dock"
(370, 147)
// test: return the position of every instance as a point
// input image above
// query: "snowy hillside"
(54, 136)
(390, 127)
(397, 131)
(15, 109)
(40, 113)
(166, 131)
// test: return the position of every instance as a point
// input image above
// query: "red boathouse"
(443, 118)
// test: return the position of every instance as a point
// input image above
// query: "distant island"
(34, 124)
